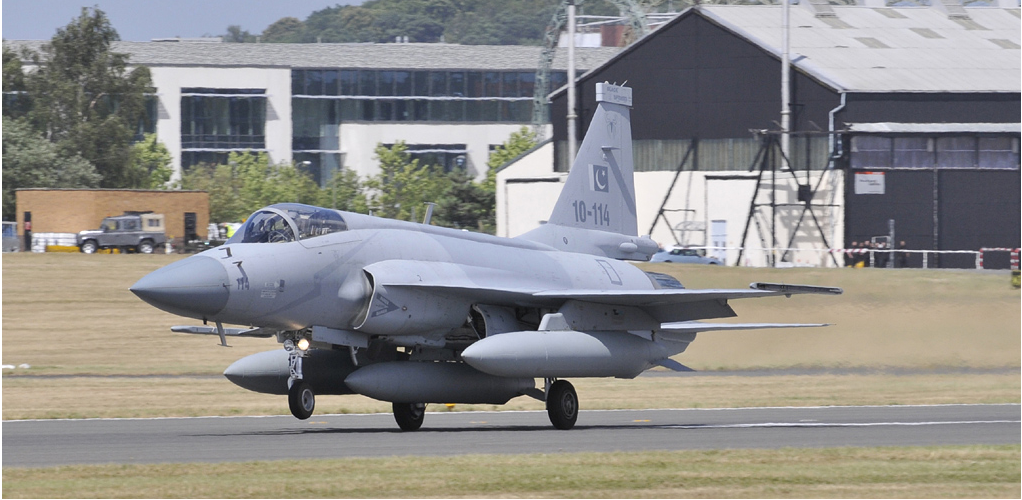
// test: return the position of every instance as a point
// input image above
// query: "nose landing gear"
(301, 400)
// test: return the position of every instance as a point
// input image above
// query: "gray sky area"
(143, 20)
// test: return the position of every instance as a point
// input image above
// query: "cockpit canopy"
(282, 222)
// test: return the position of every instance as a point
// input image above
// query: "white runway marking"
(835, 424)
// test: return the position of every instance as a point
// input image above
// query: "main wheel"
(409, 416)
(301, 399)
(146, 246)
(89, 247)
(562, 405)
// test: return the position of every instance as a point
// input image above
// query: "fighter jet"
(414, 314)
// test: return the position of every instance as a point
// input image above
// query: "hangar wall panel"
(942, 210)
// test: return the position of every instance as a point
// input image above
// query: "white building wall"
(169, 80)
(525, 198)
(358, 141)
(527, 201)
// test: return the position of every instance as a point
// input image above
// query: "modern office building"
(327, 106)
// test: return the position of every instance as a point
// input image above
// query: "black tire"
(301, 399)
(89, 246)
(562, 405)
(409, 416)
(146, 246)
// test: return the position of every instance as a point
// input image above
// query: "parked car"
(140, 233)
(685, 256)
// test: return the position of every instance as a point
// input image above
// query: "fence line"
(871, 251)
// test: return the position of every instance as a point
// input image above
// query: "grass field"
(72, 318)
(899, 337)
(922, 472)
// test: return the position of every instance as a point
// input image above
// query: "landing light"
(303, 344)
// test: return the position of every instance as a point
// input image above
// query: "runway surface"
(46, 443)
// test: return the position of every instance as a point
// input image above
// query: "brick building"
(74, 210)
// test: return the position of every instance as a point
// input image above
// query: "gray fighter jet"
(413, 314)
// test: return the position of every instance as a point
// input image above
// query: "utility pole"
(572, 117)
(786, 81)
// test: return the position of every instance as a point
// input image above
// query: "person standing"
(902, 255)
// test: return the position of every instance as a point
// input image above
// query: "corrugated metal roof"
(346, 55)
(884, 53)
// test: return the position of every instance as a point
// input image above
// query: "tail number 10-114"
(597, 214)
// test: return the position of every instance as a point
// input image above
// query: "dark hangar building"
(915, 109)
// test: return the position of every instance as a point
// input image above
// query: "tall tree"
(237, 35)
(403, 187)
(86, 100)
(31, 161)
(150, 163)
(249, 182)
(286, 29)
(519, 142)
(16, 101)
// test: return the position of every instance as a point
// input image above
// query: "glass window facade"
(935, 151)
(217, 121)
(421, 96)
(447, 156)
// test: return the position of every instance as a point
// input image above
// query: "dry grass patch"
(921, 472)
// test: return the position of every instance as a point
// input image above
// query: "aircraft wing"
(684, 295)
(230, 332)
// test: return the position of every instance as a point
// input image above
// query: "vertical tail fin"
(600, 191)
(595, 213)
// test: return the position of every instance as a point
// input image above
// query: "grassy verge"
(921, 472)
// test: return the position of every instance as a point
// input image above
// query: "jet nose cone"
(194, 287)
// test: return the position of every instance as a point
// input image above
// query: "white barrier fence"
(874, 255)
(41, 240)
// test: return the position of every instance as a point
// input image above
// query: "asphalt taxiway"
(45, 443)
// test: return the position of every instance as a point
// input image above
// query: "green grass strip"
(904, 472)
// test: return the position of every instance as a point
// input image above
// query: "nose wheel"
(409, 416)
(562, 404)
(301, 400)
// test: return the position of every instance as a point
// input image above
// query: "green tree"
(466, 204)
(403, 187)
(84, 98)
(509, 22)
(30, 161)
(519, 142)
(286, 29)
(345, 192)
(249, 182)
(16, 100)
(150, 163)
(236, 35)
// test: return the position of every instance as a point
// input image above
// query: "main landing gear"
(561, 404)
(409, 416)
